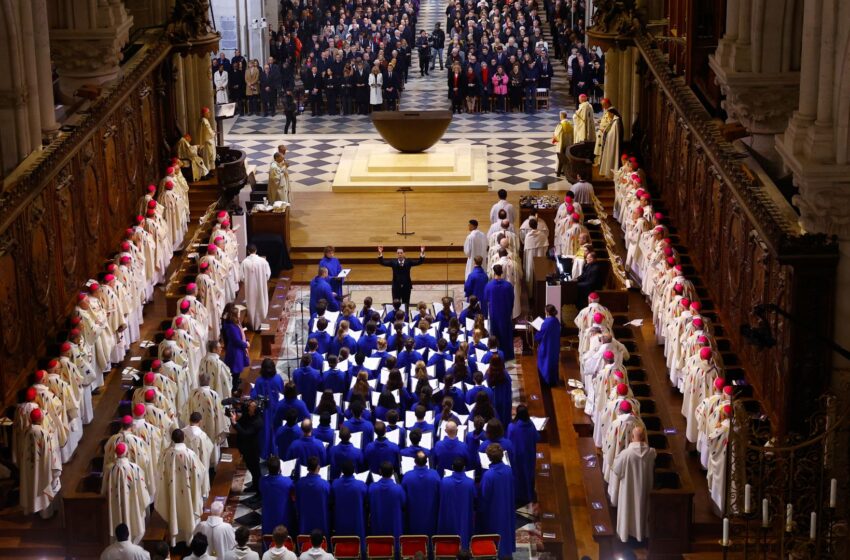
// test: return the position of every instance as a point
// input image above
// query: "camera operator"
(248, 423)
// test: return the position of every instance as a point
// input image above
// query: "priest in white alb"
(536, 245)
(198, 441)
(127, 493)
(634, 469)
(180, 497)
(138, 452)
(256, 274)
(123, 548)
(718, 444)
(220, 534)
(206, 401)
(475, 245)
(206, 137)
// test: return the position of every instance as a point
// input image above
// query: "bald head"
(506, 224)
(451, 429)
(638, 434)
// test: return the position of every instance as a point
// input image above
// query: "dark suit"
(592, 278)
(402, 284)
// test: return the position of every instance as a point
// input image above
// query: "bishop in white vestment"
(584, 127)
(40, 468)
(634, 469)
(127, 493)
(180, 498)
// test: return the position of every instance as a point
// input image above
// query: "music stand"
(404, 232)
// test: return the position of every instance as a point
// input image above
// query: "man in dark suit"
(592, 278)
(402, 285)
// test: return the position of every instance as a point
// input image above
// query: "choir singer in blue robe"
(475, 284)
(312, 497)
(349, 497)
(496, 508)
(457, 504)
(499, 301)
(549, 347)
(386, 504)
(266, 390)
(422, 486)
(277, 493)
(523, 436)
(330, 262)
(320, 288)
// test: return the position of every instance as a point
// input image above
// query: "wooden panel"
(744, 248)
(60, 221)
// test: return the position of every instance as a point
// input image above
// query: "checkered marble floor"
(518, 144)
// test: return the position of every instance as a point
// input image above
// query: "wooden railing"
(747, 248)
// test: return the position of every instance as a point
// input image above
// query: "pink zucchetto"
(598, 318)
(626, 407)
(705, 353)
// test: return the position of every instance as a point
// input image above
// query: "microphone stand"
(404, 232)
(447, 269)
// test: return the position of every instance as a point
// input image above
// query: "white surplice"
(475, 245)
(633, 468)
(256, 274)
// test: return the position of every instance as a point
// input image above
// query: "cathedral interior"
(738, 112)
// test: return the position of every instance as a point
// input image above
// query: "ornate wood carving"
(60, 220)
(746, 250)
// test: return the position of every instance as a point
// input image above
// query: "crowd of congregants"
(354, 60)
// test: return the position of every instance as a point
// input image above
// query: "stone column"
(44, 71)
(724, 48)
(86, 38)
(821, 145)
(796, 136)
(741, 51)
(30, 69)
(624, 103)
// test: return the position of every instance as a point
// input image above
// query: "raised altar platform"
(458, 167)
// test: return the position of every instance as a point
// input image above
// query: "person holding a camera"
(248, 423)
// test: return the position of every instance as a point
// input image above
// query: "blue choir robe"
(503, 400)
(496, 508)
(499, 295)
(324, 340)
(473, 392)
(457, 507)
(407, 359)
(312, 497)
(320, 288)
(379, 451)
(412, 450)
(475, 285)
(346, 342)
(458, 398)
(354, 323)
(307, 380)
(422, 486)
(283, 438)
(286, 404)
(268, 388)
(402, 434)
(276, 491)
(488, 355)
(367, 414)
(386, 504)
(548, 350)
(393, 339)
(473, 443)
(367, 343)
(506, 444)
(424, 426)
(361, 425)
(342, 452)
(349, 499)
(334, 268)
(524, 437)
(336, 380)
(424, 340)
(445, 452)
(444, 318)
(324, 433)
(305, 447)
(317, 360)
(439, 362)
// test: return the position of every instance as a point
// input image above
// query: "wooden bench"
(273, 319)
(601, 519)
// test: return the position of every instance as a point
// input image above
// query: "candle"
(765, 522)
(725, 531)
(789, 517)
(748, 505)
(813, 526)
(833, 493)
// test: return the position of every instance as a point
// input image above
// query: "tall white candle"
(725, 531)
(765, 522)
(833, 493)
(813, 526)
(748, 504)
(789, 517)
